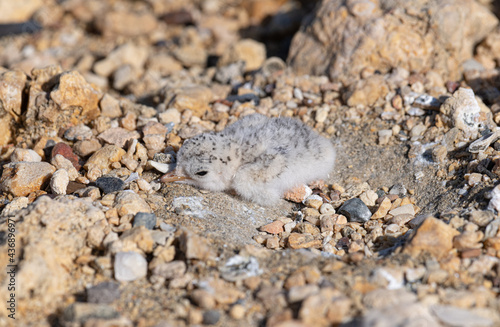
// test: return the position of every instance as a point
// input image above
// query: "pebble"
(61, 162)
(59, 182)
(105, 292)
(26, 155)
(398, 189)
(108, 184)
(369, 197)
(118, 136)
(130, 266)
(211, 317)
(302, 241)
(170, 115)
(86, 147)
(383, 208)
(298, 194)
(432, 236)
(67, 152)
(78, 313)
(314, 201)
(459, 317)
(384, 136)
(145, 219)
(326, 208)
(406, 209)
(355, 210)
(23, 178)
(79, 132)
(275, 227)
(110, 106)
(170, 270)
(130, 203)
(104, 158)
(237, 311)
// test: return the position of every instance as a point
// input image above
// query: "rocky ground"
(97, 97)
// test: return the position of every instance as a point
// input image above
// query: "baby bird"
(260, 158)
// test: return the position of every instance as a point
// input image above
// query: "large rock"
(74, 91)
(50, 234)
(12, 84)
(342, 38)
(18, 11)
(432, 236)
(22, 178)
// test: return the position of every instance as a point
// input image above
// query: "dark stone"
(145, 219)
(109, 184)
(244, 98)
(355, 210)
(380, 193)
(74, 186)
(211, 317)
(105, 292)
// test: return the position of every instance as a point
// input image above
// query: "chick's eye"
(202, 173)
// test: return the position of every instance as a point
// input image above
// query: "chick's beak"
(172, 177)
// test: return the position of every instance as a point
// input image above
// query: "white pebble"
(59, 182)
(144, 185)
(326, 208)
(130, 266)
(27, 155)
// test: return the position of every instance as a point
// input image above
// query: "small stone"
(474, 178)
(463, 112)
(300, 293)
(130, 203)
(104, 158)
(108, 184)
(439, 153)
(384, 136)
(253, 53)
(298, 194)
(105, 292)
(127, 53)
(87, 147)
(468, 240)
(130, 266)
(275, 227)
(196, 247)
(302, 241)
(237, 312)
(203, 299)
(15, 205)
(398, 189)
(170, 270)
(145, 219)
(326, 208)
(110, 107)
(273, 243)
(211, 317)
(406, 209)
(26, 155)
(67, 152)
(383, 209)
(79, 313)
(194, 98)
(481, 217)
(79, 132)
(433, 236)
(459, 317)
(23, 178)
(170, 115)
(118, 136)
(355, 210)
(59, 182)
(74, 91)
(413, 275)
(326, 223)
(314, 201)
(369, 197)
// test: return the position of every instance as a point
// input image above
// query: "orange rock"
(298, 194)
(433, 236)
(275, 227)
(302, 241)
